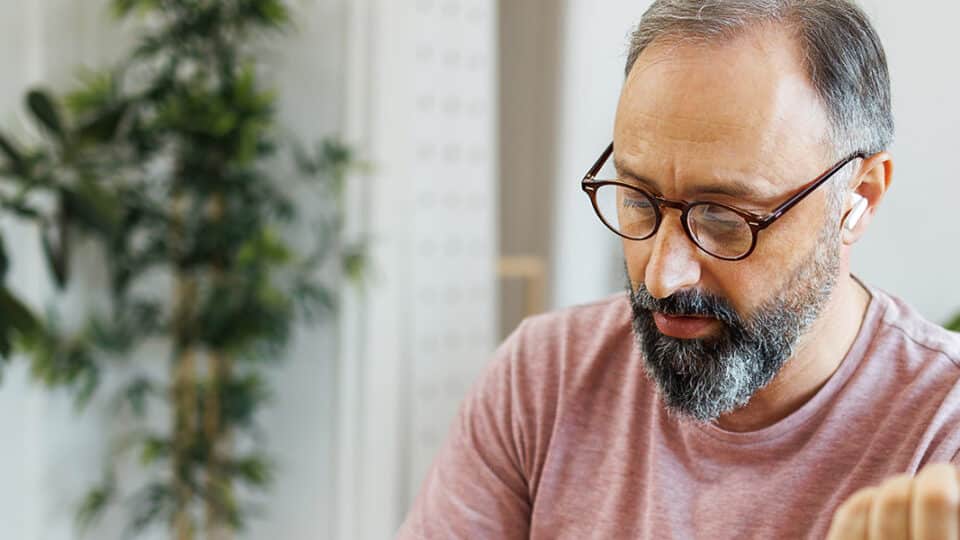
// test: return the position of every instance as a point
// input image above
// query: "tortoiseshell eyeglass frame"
(756, 222)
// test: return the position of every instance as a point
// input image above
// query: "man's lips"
(684, 327)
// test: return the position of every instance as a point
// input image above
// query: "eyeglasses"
(720, 230)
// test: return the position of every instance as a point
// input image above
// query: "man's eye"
(719, 216)
(640, 203)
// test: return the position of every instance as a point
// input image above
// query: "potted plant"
(169, 162)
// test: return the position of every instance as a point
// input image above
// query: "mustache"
(687, 303)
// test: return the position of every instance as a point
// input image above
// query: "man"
(747, 386)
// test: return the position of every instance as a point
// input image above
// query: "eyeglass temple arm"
(793, 201)
(592, 173)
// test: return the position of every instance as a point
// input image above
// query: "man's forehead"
(750, 182)
(748, 110)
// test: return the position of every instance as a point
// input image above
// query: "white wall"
(308, 66)
(422, 104)
(911, 249)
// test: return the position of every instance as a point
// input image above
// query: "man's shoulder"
(912, 386)
(902, 322)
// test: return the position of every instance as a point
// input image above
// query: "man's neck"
(817, 357)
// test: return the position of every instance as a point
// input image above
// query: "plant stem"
(218, 484)
(184, 399)
(217, 434)
(184, 396)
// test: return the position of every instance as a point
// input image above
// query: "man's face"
(739, 124)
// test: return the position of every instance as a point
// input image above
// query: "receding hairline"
(679, 36)
(841, 54)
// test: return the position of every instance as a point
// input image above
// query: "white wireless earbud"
(853, 216)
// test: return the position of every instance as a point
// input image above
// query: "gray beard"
(703, 379)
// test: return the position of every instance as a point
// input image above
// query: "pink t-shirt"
(565, 437)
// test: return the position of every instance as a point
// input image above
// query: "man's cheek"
(635, 260)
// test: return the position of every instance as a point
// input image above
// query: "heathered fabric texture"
(565, 437)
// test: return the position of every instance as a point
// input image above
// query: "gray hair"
(843, 55)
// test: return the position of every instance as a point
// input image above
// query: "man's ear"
(867, 189)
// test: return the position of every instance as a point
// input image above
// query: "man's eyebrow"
(731, 188)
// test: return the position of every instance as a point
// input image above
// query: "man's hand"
(922, 507)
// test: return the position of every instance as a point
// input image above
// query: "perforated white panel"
(453, 227)
(421, 104)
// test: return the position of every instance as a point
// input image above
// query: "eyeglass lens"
(717, 229)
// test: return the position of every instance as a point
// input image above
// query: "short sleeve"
(476, 486)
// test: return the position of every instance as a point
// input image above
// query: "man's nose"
(674, 262)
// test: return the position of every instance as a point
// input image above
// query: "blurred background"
(471, 123)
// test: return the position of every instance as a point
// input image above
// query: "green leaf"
(150, 504)
(43, 108)
(6, 345)
(21, 209)
(94, 503)
(271, 12)
(55, 253)
(57, 361)
(154, 449)
(16, 315)
(103, 127)
(266, 247)
(954, 324)
(98, 90)
(19, 328)
(4, 260)
(110, 335)
(314, 300)
(92, 207)
(87, 378)
(242, 397)
(13, 155)
(136, 395)
(122, 8)
(355, 263)
(254, 470)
